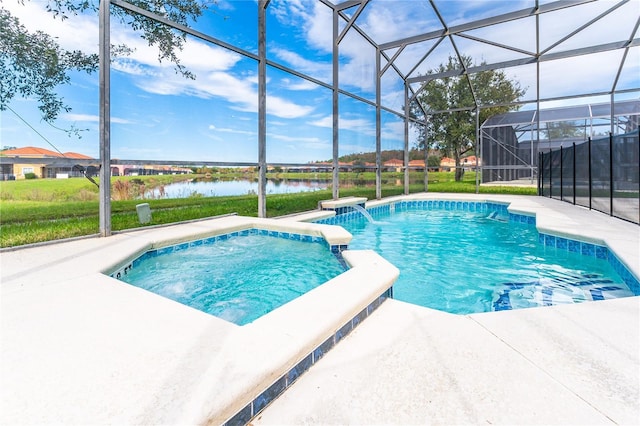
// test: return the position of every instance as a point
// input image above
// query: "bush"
(30, 176)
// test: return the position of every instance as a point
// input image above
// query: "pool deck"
(78, 347)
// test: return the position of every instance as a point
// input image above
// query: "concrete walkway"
(572, 364)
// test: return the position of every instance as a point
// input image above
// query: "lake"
(219, 188)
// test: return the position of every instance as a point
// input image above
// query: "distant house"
(17, 163)
(447, 164)
(416, 165)
(470, 161)
(48, 167)
(393, 165)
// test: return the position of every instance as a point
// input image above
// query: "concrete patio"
(573, 364)
(79, 347)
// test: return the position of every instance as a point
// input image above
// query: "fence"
(601, 174)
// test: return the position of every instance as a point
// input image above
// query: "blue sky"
(158, 115)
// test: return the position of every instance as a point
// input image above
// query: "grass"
(50, 209)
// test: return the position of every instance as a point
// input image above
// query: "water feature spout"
(365, 213)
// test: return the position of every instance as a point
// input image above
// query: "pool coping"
(72, 278)
(72, 334)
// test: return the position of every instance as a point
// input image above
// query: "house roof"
(77, 156)
(35, 152)
(394, 162)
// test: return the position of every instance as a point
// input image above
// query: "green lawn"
(40, 210)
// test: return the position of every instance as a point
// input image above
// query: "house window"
(26, 170)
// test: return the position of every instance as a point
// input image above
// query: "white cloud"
(78, 32)
(218, 70)
(302, 85)
(93, 118)
(301, 142)
(230, 130)
(222, 73)
(353, 124)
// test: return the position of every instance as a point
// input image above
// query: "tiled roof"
(35, 152)
(394, 162)
(77, 156)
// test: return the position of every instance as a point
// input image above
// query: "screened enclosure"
(601, 174)
(510, 143)
(334, 87)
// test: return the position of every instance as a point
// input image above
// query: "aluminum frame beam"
(104, 25)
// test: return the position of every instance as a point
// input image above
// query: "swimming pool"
(239, 276)
(470, 257)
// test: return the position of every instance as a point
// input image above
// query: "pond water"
(218, 188)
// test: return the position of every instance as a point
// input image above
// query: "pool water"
(238, 279)
(469, 262)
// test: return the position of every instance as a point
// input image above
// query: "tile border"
(592, 250)
(282, 383)
(336, 250)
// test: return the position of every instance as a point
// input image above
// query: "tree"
(454, 132)
(558, 130)
(34, 64)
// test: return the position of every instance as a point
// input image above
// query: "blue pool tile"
(371, 308)
(633, 284)
(547, 295)
(343, 331)
(562, 243)
(242, 418)
(374, 305)
(301, 367)
(266, 397)
(588, 249)
(602, 252)
(574, 246)
(181, 247)
(596, 294)
(196, 243)
(503, 303)
(321, 350)
(359, 318)
(164, 250)
(549, 240)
